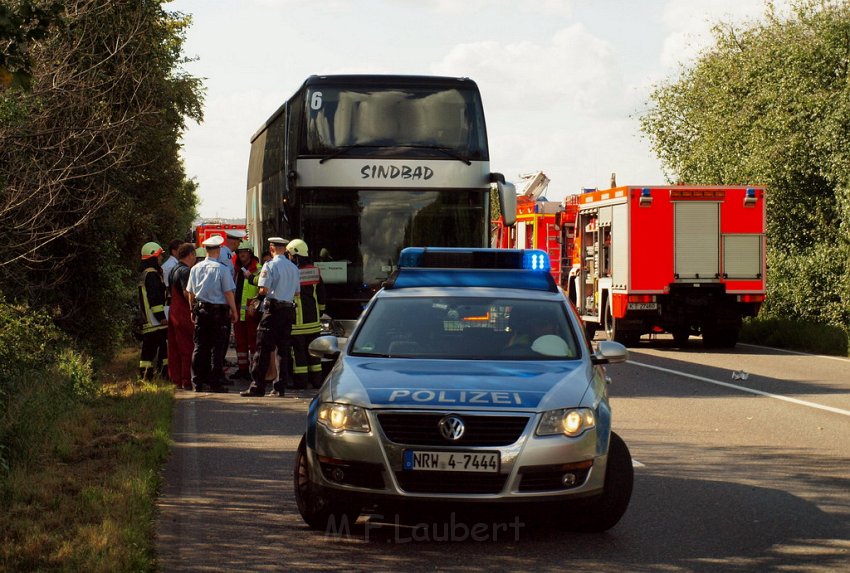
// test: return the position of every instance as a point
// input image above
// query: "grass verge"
(86, 500)
(796, 335)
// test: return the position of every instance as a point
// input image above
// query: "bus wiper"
(447, 150)
(343, 150)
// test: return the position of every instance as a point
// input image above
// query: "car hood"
(422, 384)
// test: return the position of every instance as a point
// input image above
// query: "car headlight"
(568, 421)
(343, 417)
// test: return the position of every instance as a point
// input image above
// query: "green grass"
(796, 335)
(84, 500)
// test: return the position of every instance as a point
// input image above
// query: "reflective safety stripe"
(315, 367)
(300, 370)
(145, 364)
(158, 308)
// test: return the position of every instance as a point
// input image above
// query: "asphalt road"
(731, 475)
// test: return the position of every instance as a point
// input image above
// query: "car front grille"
(450, 482)
(422, 429)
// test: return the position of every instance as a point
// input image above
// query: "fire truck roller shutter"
(620, 246)
(696, 242)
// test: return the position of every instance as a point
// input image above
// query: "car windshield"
(466, 328)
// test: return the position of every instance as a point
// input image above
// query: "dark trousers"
(307, 369)
(154, 358)
(273, 332)
(211, 327)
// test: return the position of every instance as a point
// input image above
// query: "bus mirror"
(507, 201)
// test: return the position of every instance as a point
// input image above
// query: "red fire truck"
(540, 224)
(211, 228)
(681, 259)
(636, 260)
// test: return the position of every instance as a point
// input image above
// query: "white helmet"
(297, 247)
(551, 345)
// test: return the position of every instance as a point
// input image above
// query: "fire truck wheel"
(613, 332)
(681, 336)
(713, 338)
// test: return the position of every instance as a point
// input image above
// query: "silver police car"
(467, 379)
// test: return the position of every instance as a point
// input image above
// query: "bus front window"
(355, 237)
(395, 118)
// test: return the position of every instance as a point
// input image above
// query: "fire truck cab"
(679, 259)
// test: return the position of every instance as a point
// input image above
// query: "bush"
(796, 335)
(44, 377)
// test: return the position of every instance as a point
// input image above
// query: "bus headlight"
(568, 421)
(343, 417)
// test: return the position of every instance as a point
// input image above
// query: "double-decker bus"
(361, 166)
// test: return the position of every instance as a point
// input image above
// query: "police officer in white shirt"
(279, 282)
(210, 288)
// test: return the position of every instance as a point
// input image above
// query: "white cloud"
(690, 24)
(574, 71)
(562, 8)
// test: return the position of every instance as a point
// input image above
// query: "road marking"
(637, 464)
(839, 358)
(745, 389)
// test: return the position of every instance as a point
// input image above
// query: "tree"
(769, 104)
(89, 159)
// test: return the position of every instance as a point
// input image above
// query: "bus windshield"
(402, 121)
(355, 236)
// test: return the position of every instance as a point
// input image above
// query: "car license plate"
(643, 306)
(484, 462)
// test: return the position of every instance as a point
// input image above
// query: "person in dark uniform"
(210, 290)
(152, 299)
(279, 282)
(309, 306)
(180, 328)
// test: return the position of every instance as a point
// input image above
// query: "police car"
(467, 379)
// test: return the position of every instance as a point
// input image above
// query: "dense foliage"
(769, 104)
(89, 155)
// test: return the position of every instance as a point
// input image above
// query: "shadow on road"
(228, 506)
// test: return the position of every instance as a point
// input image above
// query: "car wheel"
(317, 508)
(605, 511)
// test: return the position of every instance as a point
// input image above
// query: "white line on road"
(839, 358)
(745, 389)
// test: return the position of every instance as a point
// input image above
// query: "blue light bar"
(413, 277)
(751, 193)
(645, 192)
(499, 268)
(459, 258)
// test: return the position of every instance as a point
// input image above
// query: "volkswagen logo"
(451, 427)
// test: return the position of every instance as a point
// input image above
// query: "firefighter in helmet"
(152, 299)
(309, 307)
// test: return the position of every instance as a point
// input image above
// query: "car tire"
(603, 512)
(318, 509)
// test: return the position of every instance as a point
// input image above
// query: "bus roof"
(367, 80)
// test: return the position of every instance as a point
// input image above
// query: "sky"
(563, 82)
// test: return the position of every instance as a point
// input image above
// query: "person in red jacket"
(181, 330)
(246, 267)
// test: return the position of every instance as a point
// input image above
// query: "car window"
(466, 328)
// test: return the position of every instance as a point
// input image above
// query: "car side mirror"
(324, 347)
(608, 352)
